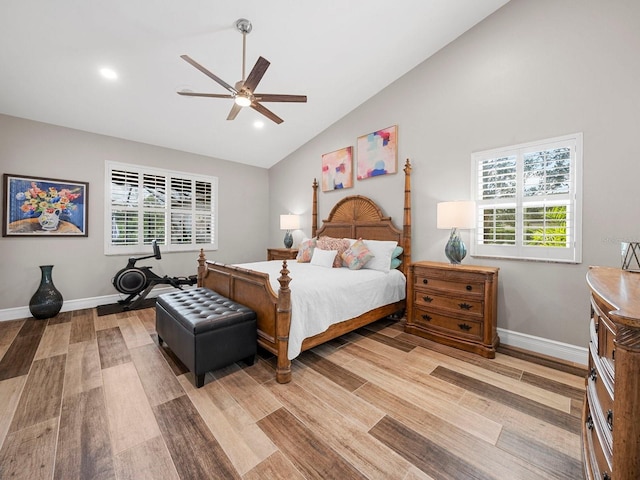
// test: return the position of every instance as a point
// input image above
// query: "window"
(143, 203)
(529, 200)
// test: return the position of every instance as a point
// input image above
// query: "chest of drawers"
(454, 304)
(611, 414)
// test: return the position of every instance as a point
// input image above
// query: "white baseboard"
(79, 304)
(551, 348)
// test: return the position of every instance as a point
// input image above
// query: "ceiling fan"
(243, 93)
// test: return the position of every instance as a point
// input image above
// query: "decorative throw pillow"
(357, 255)
(338, 244)
(305, 250)
(382, 251)
(323, 258)
(395, 261)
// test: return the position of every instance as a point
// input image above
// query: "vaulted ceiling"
(339, 53)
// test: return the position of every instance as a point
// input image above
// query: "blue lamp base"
(288, 239)
(455, 249)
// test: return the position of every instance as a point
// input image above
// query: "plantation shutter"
(177, 209)
(529, 200)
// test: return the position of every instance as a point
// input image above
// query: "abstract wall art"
(337, 169)
(378, 153)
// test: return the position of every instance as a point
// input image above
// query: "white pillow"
(382, 251)
(323, 258)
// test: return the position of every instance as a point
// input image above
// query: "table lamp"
(288, 223)
(456, 216)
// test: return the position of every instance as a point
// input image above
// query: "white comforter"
(323, 296)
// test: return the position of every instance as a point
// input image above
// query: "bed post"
(201, 267)
(283, 325)
(406, 228)
(314, 213)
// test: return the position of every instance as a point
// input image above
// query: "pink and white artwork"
(337, 169)
(378, 153)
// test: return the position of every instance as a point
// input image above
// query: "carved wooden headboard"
(357, 216)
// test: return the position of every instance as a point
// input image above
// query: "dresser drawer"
(460, 327)
(593, 334)
(595, 457)
(466, 306)
(600, 394)
(606, 346)
(449, 283)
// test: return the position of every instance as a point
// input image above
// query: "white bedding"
(323, 296)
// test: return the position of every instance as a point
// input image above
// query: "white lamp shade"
(456, 215)
(289, 222)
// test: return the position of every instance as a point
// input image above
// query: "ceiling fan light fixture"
(242, 100)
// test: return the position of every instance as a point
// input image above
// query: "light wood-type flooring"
(91, 397)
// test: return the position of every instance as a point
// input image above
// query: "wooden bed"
(352, 217)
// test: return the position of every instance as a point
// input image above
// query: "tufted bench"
(205, 330)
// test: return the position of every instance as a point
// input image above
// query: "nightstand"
(455, 305)
(282, 253)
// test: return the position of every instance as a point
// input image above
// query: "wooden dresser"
(611, 414)
(281, 253)
(454, 304)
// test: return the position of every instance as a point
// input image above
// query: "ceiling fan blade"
(217, 79)
(234, 111)
(256, 74)
(266, 112)
(211, 95)
(274, 97)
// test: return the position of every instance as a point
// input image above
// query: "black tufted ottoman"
(205, 330)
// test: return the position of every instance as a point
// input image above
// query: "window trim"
(573, 254)
(166, 246)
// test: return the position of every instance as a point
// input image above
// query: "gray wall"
(535, 69)
(81, 270)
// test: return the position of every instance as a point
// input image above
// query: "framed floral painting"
(337, 169)
(378, 153)
(35, 206)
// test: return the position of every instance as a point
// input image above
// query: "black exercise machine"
(138, 281)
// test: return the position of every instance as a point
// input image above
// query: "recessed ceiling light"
(108, 73)
(258, 124)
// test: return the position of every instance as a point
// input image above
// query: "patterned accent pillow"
(339, 244)
(357, 255)
(305, 250)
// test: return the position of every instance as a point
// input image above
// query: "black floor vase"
(47, 301)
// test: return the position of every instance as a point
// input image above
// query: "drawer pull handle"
(590, 422)
(427, 299)
(464, 326)
(426, 317)
(469, 288)
(605, 476)
(610, 419)
(465, 306)
(593, 374)
(425, 280)
(613, 354)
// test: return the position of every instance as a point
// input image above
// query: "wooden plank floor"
(92, 397)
